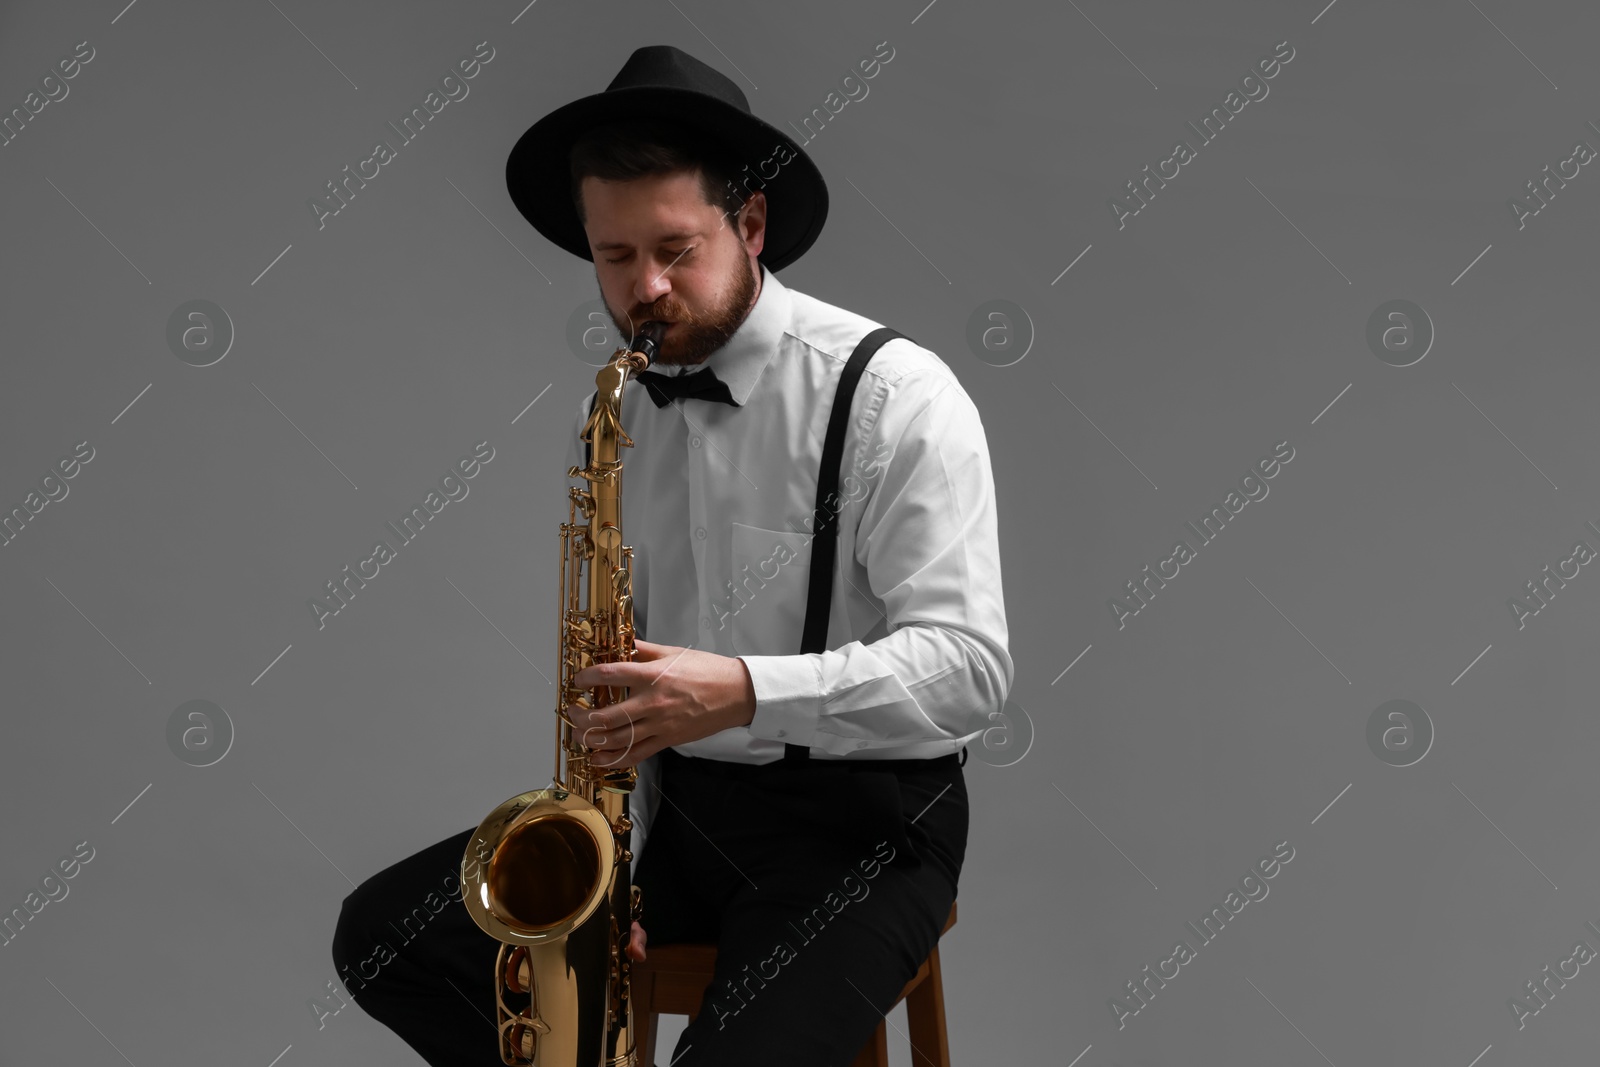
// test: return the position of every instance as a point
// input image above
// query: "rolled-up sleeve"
(928, 545)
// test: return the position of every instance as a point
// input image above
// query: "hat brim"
(538, 172)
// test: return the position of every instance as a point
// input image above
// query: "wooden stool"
(672, 980)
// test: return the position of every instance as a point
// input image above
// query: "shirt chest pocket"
(769, 571)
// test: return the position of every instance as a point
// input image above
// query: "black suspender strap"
(825, 540)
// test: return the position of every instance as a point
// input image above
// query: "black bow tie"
(703, 384)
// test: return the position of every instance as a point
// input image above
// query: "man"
(804, 810)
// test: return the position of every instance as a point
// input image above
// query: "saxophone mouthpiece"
(648, 339)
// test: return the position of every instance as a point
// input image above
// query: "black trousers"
(824, 885)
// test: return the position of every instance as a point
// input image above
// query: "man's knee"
(352, 933)
(349, 934)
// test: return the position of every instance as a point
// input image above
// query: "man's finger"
(623, 751)
(618, 734)
(620, 716)
(616, 674)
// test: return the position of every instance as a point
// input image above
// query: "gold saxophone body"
(556, 888)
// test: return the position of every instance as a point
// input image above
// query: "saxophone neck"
(603, 432)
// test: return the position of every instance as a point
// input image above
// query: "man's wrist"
(746, 707)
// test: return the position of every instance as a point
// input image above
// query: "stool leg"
(930, 1044)
(645, 1022)
(875, 1053)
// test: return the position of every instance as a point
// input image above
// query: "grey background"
(1226, 317)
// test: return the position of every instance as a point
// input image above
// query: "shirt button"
(783, 733)
(700, 533)
(705, 623)
(861, 744)
(694, 442)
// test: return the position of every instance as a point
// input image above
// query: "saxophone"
(555, 889)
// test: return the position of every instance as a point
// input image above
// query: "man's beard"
(693, 338)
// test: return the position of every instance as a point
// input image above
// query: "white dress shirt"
(718, 503)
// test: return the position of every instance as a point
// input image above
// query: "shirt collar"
(746, 354)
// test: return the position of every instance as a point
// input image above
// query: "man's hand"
(676, 695)
(636, 943)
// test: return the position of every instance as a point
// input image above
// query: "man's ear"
(752, 222)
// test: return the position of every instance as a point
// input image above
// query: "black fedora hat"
(663, 82)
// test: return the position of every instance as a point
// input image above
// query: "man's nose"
(651, 283)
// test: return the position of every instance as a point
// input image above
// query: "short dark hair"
(635, 148)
